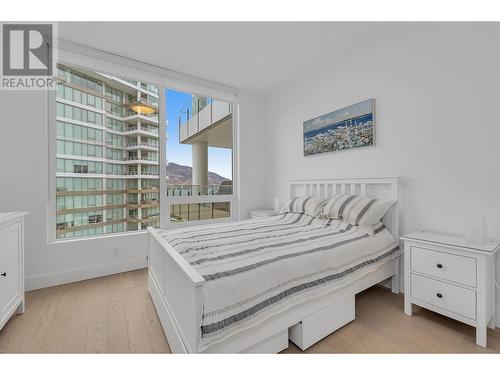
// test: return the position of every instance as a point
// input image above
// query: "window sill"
(97, 237)
(185, 224)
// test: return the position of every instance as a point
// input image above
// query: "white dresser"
(450, 276)
(11, 265)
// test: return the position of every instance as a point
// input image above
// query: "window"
(82, 132)
(70, 112)
(81, 168)
(94, 219)
(204, 137)
(115, 124)
(107, 175)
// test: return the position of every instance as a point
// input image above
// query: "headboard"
(386, 188)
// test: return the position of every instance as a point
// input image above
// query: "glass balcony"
(193, 190)
(199, 211)
(142, 144)
(141, 158)
(201, 113)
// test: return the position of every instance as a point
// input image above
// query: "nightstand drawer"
(456, 268)
(461, 301)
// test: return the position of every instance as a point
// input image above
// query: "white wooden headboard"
(386, 188)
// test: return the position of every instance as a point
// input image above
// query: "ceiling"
(253, 56)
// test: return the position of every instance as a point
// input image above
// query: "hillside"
(181, 174)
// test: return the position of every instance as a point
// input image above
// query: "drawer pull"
(3, 274)
(439, 295)
(439, 265)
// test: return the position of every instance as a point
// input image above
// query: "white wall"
(23, 186)
(253, 156)
(437, 123)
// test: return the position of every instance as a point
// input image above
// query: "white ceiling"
(258, 57)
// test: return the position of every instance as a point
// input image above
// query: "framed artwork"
(344, 129)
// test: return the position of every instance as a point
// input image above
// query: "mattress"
(255, 269)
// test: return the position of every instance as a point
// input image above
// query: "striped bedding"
(256, 269)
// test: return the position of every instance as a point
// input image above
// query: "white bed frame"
(176, 287)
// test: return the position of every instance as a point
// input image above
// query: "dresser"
(11, 265)
(452, 277)
(261, 213)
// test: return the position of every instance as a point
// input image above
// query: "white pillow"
(304, 204)
(356, 210)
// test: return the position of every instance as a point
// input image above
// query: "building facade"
(107, 154)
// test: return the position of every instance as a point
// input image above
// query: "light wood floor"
(115, 314)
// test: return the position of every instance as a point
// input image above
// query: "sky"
(219, 159)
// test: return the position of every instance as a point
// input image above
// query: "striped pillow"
(356, 210)
(304, 204)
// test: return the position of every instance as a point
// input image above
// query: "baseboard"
(84, 273)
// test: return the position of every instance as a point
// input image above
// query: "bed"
(251, 285)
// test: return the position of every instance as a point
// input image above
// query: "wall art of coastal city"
(345, 129)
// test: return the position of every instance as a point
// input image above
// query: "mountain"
(181, 174)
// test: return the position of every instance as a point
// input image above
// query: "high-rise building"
(107, 154)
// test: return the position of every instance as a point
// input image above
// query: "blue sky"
(219, 159)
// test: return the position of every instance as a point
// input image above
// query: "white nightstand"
(261, 213)
(450, 276)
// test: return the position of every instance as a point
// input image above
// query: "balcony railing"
(193, 190)
(132, 172)
(142, 144)
(151, 130)
(142, 158)
(131, 115)
(201, 113)
(143, 203)
(199, 211)
(150, 173)
(144, 217)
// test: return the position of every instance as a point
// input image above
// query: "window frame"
(90, 59)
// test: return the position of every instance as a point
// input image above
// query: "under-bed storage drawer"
(323, 322)
(273, 344)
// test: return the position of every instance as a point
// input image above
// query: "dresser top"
(451, 240)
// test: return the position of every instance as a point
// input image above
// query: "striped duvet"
(257, 268)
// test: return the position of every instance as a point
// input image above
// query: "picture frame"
(344, 129)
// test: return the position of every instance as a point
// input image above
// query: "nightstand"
(452, 277)
(261, 213)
